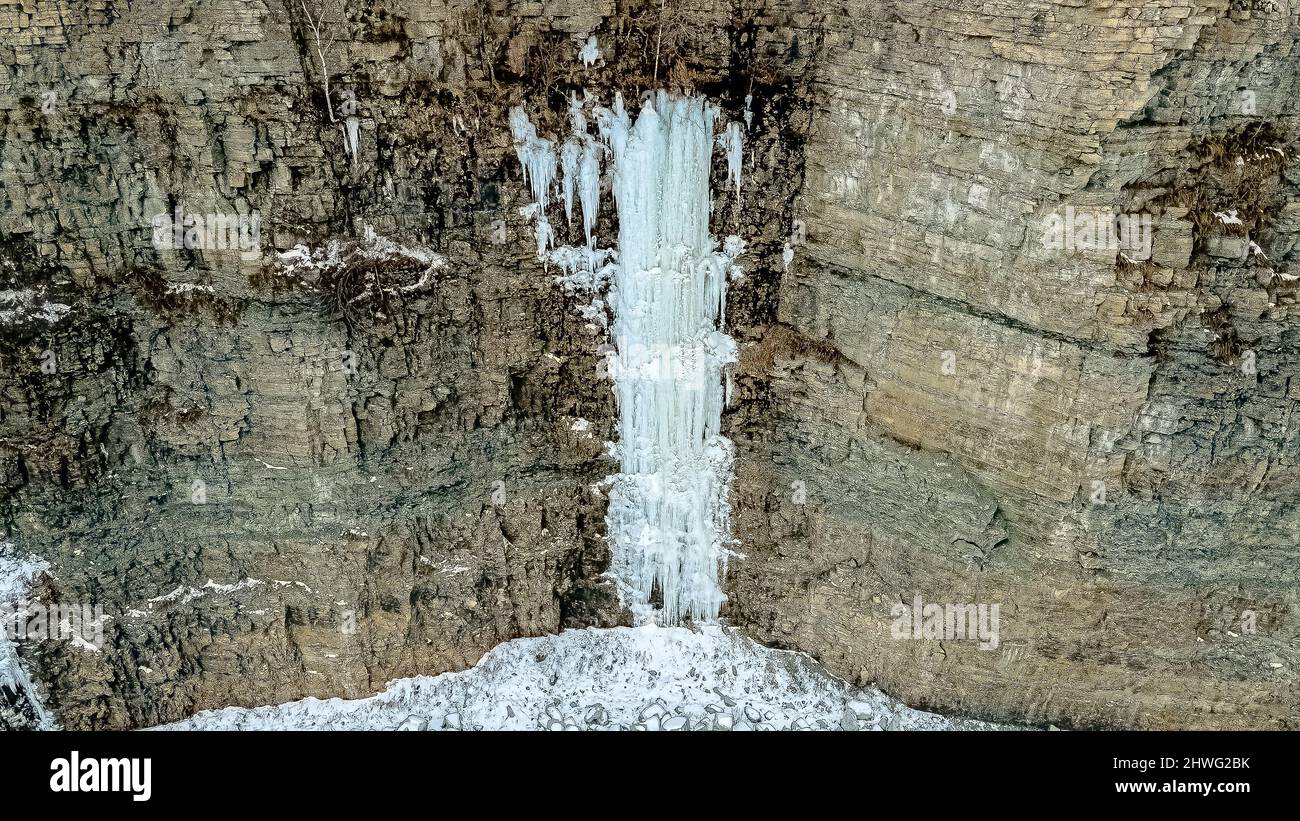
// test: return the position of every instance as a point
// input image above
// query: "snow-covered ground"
(643, 678)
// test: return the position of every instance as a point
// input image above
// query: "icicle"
(570, 157)
(524, 132)
(577, 120)
(537, 156)
(749, 114)
(580, 165)
(352, 137)
(589, 187)
(613, 125)
(732, 141)
(590, 53)
(545, 235)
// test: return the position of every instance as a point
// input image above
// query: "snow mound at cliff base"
(643, 678)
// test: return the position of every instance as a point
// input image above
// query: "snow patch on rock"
(27, 305)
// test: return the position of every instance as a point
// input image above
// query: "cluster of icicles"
(665, 283)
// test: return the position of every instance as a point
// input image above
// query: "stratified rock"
(256, 468)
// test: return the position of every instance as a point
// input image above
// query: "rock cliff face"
(1106, 445)
(286, 486)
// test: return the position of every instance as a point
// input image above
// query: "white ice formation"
(17, 574)
(733, 142)
(537, 156)
(18, 307)
(645, 678)
(590, 52)
(668, 513)
(352, 136)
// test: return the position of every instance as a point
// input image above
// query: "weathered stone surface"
(381, 495)
(933, 398)
(1104, 447)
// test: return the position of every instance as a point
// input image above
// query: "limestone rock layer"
(953, 381)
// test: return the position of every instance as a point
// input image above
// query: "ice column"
(668, 517)
(668, 514)
(590, 53)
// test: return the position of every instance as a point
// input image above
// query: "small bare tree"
(672, 27)
(659, 38)
(325, 36)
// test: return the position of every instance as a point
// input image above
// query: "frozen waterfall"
(668, 513)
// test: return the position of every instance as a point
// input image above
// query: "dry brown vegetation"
(354, 282)
(1238, 171)
(151, 286)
